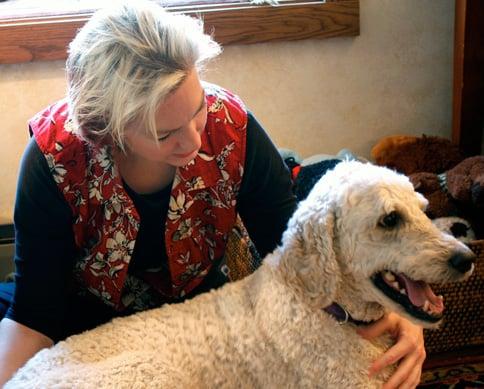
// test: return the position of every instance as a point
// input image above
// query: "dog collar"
(342, 316)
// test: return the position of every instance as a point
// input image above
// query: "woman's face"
(180, 120)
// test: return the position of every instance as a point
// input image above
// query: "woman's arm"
(44, 248)
(43, 252)
(18, 344)
(266, 200)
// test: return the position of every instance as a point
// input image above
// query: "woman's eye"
(164, 137)
(390, 220)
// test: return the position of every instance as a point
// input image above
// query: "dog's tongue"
(419, 291)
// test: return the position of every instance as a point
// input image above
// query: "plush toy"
(465, 182)
(457, 192)
(411, 154)
(343, 155)
(308, 175)
(432, 186)
(306, 172)
(459, 228)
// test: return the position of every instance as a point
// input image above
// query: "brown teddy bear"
(457, 192)
(410, 154)
(432, 186)
(465, 182)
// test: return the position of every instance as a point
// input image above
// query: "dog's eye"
(390, 221)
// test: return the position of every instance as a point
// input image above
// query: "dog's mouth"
(416, 297)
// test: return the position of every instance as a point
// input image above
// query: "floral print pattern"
(201, 207)
(57, 170)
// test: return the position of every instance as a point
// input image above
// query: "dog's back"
(249, 334)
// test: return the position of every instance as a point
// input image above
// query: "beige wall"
(314, 96)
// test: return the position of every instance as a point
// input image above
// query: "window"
(33, 32)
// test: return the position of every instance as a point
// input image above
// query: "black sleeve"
(266, 201)
(44, 247)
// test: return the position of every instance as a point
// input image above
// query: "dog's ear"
(310, 262)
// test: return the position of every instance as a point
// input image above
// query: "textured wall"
(314, 96)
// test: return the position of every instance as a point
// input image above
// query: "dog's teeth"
(395, 285)
(403, 291)
(426, 306)
(389, 276)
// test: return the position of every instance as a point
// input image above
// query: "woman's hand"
(409, 350)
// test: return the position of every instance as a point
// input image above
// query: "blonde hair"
(125, 61)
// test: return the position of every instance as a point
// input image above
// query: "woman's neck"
(141, 175)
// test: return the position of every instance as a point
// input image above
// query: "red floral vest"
(201, 209)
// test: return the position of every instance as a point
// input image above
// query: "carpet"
(463, 376)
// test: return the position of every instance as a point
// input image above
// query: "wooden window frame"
(468, 91)
(45, 37)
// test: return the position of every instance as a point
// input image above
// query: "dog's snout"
(462, 262)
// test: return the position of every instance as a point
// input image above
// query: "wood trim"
(468, 93)
(459, 33)
(46, 37)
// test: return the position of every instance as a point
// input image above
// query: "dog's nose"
(462, 262)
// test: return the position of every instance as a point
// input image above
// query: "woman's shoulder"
(54, 129)
(223, 104)
(218, 92)
(49, 116)
(212, 89)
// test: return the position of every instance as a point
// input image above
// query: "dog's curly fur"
(269, 330)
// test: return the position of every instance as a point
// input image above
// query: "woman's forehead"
(181, 105)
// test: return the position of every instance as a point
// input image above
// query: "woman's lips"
(185, 155)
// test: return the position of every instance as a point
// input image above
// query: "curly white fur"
(269, 330)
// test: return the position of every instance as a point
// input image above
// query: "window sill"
(42, 38)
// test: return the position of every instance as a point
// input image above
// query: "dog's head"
(361, 238)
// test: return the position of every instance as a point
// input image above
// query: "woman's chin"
(180, 161)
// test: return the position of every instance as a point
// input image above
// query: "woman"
(130, 186)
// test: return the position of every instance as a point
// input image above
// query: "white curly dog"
(360, 241)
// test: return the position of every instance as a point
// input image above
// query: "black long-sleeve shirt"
(44, 238)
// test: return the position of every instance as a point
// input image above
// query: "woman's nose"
(191, 139)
